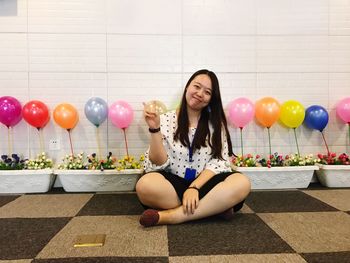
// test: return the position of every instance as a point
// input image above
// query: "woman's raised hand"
(152, 118)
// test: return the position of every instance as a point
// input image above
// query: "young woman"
(189, 175)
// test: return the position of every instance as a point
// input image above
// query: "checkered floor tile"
(309, 225)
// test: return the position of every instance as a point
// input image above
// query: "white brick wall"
(68, 51)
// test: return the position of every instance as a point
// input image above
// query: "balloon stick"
(241, 128)
(41, 140)
(349, 131)
(70, 140)
(325, 143)
(296, 140)
(9, 140)
(268, 132)
(98, 142)
(126, 143)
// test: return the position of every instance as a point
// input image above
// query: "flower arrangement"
(92, 162)
(333, 159)
(273, 160)
(247, 160)
(73, 162)
(13, 162)
(96, 164)
(40, 162)
(129, 162)
(298, 160)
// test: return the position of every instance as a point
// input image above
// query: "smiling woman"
(198, 94)
(189, 175)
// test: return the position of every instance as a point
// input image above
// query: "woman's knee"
(144, 185)
(246, 184)
(241, 185)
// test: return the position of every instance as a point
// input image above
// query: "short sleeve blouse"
(178, 155)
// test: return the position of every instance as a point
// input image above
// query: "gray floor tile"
(244, 234)
(285, 201)
(24, 238)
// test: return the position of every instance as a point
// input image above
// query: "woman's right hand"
(152, 119)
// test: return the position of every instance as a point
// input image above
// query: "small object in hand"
(156, 106)
(90, 240)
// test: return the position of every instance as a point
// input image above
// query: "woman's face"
(199, 92)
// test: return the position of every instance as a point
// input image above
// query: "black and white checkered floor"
(309, 225)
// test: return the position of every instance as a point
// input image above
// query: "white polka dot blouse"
(178, 155)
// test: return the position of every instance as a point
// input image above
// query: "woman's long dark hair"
(213, 113)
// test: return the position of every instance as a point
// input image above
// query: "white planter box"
(334, 175)
(26, 181)
(279, 177)
(99, 181)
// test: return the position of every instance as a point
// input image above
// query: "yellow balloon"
(292, 113)
(156, 106)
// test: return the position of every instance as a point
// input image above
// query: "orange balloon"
(66, 116)
(267, 111)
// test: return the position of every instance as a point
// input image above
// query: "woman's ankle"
(170, 217)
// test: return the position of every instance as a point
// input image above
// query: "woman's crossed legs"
(155, 191)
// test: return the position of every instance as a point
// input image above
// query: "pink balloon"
(343, 110)
(241, 111)
(10, 111)
(121, 114)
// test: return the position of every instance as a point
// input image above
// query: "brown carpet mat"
(103, 260)
(309, 225)
(6, 199)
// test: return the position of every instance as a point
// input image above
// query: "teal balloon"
(96, 111)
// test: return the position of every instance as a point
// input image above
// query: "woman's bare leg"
(223, 196)
(157, 192)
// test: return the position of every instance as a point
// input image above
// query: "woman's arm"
(202, 178)
(157, 152)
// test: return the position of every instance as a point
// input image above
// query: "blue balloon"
(316, 117)
(96, 111)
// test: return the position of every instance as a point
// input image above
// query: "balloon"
(96, 111)
(66, 116)
(241, 112)
(316, 117)
(343, 110)
(121, 114)
(156, 106)
(36, 113)
(267, 111)
(292, 114)
(10, 111)
(175, 105)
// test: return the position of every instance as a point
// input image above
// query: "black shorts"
(180, 185)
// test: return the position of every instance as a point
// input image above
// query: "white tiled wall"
(132, 50)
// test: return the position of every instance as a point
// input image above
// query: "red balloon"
(36, 113)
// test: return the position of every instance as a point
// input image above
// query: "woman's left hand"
(190, 200)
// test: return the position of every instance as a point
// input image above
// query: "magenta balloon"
(10, 111)
(241, 111)
(121, 114)
(343, 110)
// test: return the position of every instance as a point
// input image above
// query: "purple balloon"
(121, 114)
(10, 111)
